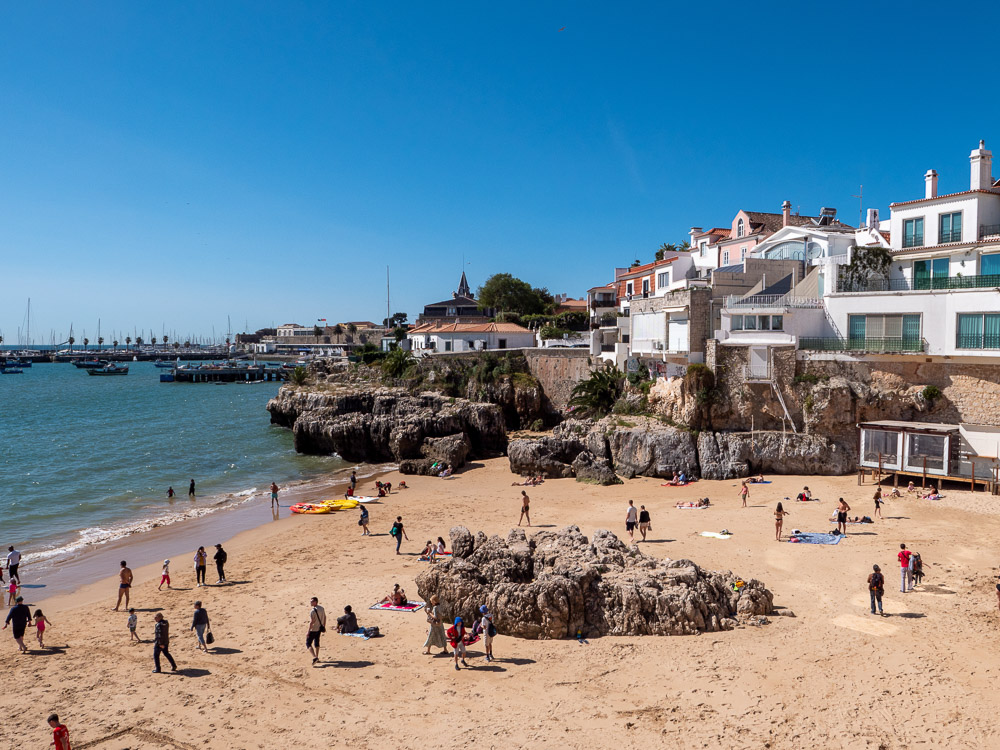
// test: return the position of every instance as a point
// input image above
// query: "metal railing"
(771, 300)
(757, 373)
(977, 341)
(915, 240)
(989, 230)
(953, 235)
(983, 281)
(862, 345)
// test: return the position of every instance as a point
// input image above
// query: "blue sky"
(164, 165)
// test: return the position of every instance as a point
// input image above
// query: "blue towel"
(814, 538)
(359, 633)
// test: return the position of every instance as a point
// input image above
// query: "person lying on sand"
(445, 473)
(397, 598)
(703, 503)
(759, 479)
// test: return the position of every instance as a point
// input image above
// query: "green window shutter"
(856, 327)
(970, 331)
(991, 331)
(911, 327)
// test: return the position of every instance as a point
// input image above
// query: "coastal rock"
(589, 468)
(462, 542)
(550, 457)
(727, 455)
(650, 448)
(386, 424)
(557, 584)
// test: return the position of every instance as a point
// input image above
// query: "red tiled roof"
(991, 191)
(469, 328)
(716, 230)
(606, 287)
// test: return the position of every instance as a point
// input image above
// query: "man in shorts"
(13, 563)
(631, 518)
(317, 626)
(274, 495)
(842, 510)
(905, 576)
(124, 585)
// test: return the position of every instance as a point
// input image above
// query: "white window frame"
(740, 228)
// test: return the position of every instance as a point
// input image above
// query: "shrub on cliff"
(396, 363)
(596, 396)
(299, 376)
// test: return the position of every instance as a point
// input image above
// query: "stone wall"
(558, 370)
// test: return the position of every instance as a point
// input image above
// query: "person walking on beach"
(399, 532)
(220, 558)
(878, 502)
(133, 623)
(200, 563)
(779, 519)
(631, 518)
(456, 635)
(41, 621)
(644, 524)
(905, 576)
(363, 521)
(19, 616)
(124, 585)
(525, 507)
(161, 643)
(13, 563)
(745, 492)
(274, 495)
(164, 575)
(199, 624)
(876, 587)
(842, 510)
(60, 734)
(317, 626)
(488, 631)
(11, 592)
(436, 636)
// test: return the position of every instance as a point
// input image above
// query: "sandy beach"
(831, 676)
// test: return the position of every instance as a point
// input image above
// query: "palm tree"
(299, 375)
(128, 340)
(177, 345)
(337, 329)
(187, 344)
(164, 340)
(596, 396)
(115, 345)
(71, 342)
(85, 342)
(100, 342)
(351, 328)
(138, 340)
(153, 341)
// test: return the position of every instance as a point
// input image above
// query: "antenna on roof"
(861, 210)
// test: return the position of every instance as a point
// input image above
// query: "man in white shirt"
(631, 517)
(317, 625)
(13, 561)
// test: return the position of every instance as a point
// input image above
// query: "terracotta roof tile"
(469, 328)
(991, 191)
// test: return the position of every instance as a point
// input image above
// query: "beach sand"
(831, 676)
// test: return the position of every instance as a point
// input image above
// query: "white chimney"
(982, 171)
(786, 212)
(930, 184)
(692, 232)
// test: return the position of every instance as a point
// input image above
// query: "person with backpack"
(398, 532)
(456, 637)
(220, 558)
(317, 626)
(876, 587)
(489, 631)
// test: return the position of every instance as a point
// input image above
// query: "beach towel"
(766, 481)
(470, 638)
(815, 538)
(408, 607)
(715, 535)
(692, 507)
(359, 633)
(671, 484)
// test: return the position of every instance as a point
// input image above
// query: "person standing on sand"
(525, 507)
(876, 587)
(274, 495)
(842, 509)
(354, 481)
(631, 518)
(779, 519)
(488, 631)
(878, 502)
(363, 521)
(436, 636)
(20, 615)
(124, 585)
(199, 624)
(191, 490)
(161, 643)
(13, 563)
(317, 626)
(745, 492)
(456, 636)
(60, 734)
(399, 532)
(905, 576)
(220, 558)
(644, 524)
(200, 563)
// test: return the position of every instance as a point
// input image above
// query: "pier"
(246, 374)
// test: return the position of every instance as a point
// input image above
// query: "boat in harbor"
(166, 365)
(87, 364)
(17, 363)
(8, 370)
(109, 369)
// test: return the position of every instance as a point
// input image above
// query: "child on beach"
(165, 575)
(11, 592)
(745, 492)
(133, 622)
(40, 622)
(878, 501)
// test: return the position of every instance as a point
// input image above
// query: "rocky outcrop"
(388, 424)
(726, 455)
(557, 584)
(451, 450)
(589, 468)
(550, 457)
(651, 449)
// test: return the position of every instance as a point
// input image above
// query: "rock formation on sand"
(389, 424)
(558, 583)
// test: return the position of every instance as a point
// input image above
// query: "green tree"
(85, 342)
(317, 331)
(114, 345)
(867, 264)
(299, 375)
(71, 342)
(164, 340)
(396, 363)
(596, 396)
(337, 329)
(351, 328)
(128, 340)
(100, 342)
(505, 293)
(399, 333)
(668, 248)
(397, 320)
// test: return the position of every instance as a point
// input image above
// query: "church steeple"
(463, 287)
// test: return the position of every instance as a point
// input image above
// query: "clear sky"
(164, 165)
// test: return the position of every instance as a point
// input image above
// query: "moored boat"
(87, 364)
(6, 370)
(109, 369)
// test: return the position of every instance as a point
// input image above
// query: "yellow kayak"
(310, 508)
(341, 504)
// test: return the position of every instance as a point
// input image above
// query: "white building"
(467, 337)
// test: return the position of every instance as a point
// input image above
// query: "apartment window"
(749, 322)
(777, 322)
(725, 257)
(743, 253)
(703, 247)
(502, 343)
(930, 274)
(861, 328)
(735, 322)
(978, 331)
(645, 287)
(950, 228)
(663, 280)
(739, 228)
(628, 288)
(447, 346)
(989, 265)
(913, 233)
(452, 312)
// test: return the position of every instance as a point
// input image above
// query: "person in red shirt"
(905, 576)
(60, 734)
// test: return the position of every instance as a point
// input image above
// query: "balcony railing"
(989, 231)
(914, 240)
(954, 235)
(977, 341)
(984, 281)
(862, 345)
(771, 300)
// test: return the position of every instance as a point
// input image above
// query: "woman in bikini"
(779, 519)
(878, 501)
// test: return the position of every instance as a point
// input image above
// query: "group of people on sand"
(433, 550)
(347, 624)
(457, 635)
(529, 482)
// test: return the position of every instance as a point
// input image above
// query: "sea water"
(86, 460)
